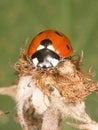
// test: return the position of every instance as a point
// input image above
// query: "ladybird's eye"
(58, 33)
(46, 42)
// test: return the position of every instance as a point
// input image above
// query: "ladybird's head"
(48, 48)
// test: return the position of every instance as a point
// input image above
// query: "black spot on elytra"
(68, 47)
(46, 42)
(58, 33)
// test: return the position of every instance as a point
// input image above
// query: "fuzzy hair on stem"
(44, 98)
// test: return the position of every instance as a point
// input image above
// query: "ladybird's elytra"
(47, 45)
(59, 41)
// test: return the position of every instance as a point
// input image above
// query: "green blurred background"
(22, 19)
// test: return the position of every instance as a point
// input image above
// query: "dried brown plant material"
(45, 98)
(66, 78)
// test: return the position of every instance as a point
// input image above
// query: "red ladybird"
(48, 48)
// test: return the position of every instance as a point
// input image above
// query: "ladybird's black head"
(45, 58)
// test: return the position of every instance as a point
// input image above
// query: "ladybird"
(48, 48)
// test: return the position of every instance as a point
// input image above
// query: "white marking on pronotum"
(40, 47)
(35, 61)
(53, 61)
(51, 48)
